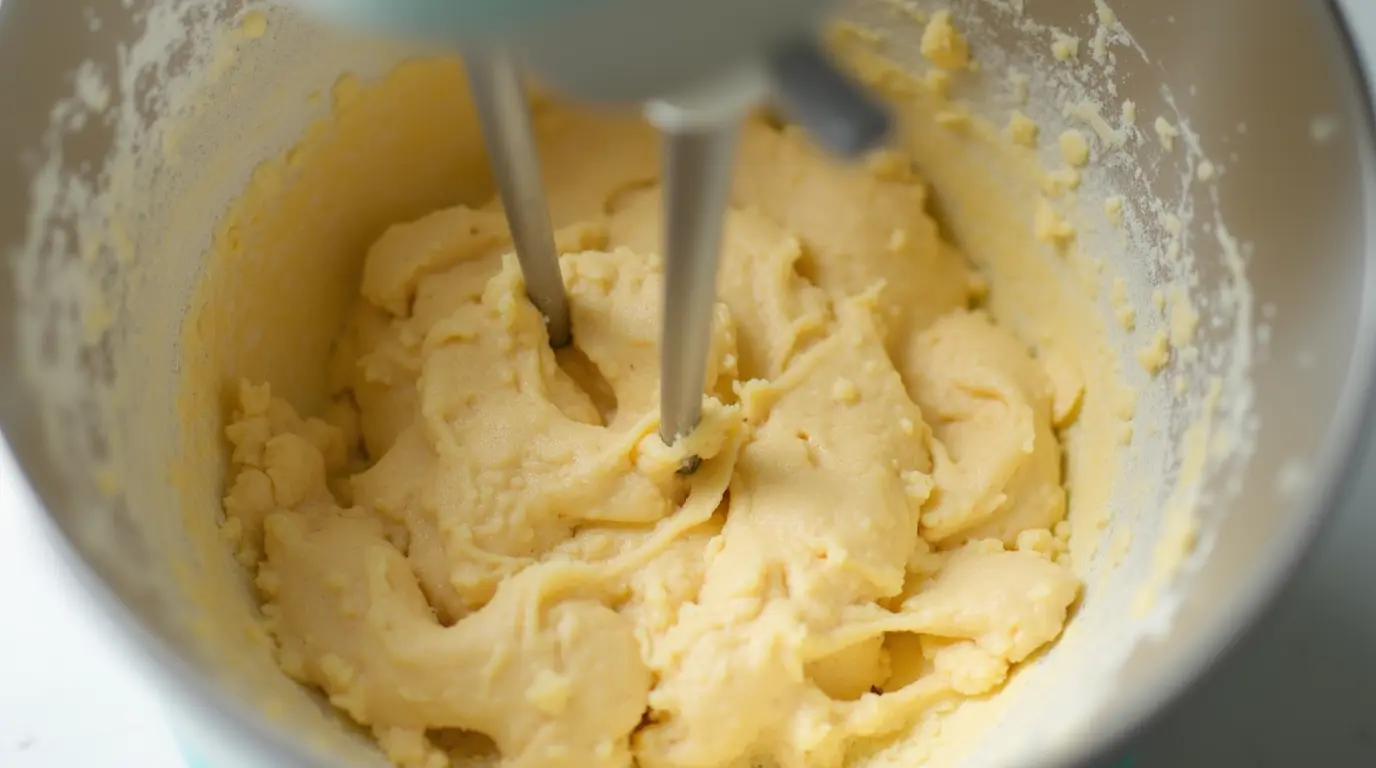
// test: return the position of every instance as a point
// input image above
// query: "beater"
(698, 67)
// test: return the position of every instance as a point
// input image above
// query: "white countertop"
(67, 696)
(1301, 690)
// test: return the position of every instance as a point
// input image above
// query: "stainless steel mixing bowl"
(97, 278)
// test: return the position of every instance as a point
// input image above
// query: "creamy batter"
(483, 548)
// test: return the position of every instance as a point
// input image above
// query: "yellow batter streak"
(483, 535)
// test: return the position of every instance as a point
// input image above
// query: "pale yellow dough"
(482, 535)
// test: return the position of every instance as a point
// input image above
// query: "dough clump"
(483, 552)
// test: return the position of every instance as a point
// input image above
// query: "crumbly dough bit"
(1088, 113)
(1156, 353)
(1166, 133)
(1061, 180)
(1050, 227)
(253, 25)
(1129, 111)
(942, 43)
(1074, 148)
(1065, 48)
(1113, 210)
(997, 460)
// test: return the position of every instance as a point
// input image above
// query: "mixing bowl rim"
(1333, 480)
